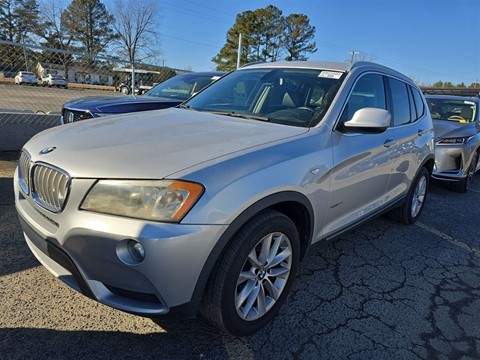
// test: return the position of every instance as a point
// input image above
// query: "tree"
(298, 37)
(270, 27)
(266, 35)
(90, 24)
(245, 24)
(136, 24)
(438, 84)
(53, 33)
(18, 19)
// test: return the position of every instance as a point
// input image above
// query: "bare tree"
(136, 23)
(52, 29)
(54, 34)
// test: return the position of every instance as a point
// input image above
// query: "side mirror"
(370, 120)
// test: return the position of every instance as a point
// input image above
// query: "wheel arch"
(292, 204)
(428, 163)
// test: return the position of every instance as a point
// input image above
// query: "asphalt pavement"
(382, 291)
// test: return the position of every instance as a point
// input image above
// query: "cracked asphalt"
(382, 291)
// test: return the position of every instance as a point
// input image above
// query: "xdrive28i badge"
(47, 150)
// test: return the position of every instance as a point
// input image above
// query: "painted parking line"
(448, 238)
(474, 190)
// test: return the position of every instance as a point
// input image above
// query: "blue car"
(167, 94)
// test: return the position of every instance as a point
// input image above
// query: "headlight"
(160, 200)
(454, 141)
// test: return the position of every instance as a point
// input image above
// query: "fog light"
(136, 250)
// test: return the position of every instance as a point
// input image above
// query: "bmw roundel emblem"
(47, 150)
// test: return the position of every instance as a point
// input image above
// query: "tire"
(125, 91)
(412, 207)
(240, 295)
(463, 185)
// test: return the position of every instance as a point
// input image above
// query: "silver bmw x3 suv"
(211, 206)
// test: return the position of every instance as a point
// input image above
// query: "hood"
(151, 144)
(453, 129)
(121, 104)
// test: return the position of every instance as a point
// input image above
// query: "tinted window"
(369, 91)
(419, 105)
(400, 102)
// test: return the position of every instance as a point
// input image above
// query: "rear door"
(408, 133)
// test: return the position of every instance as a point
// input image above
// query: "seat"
(289, 100)
(467, 113)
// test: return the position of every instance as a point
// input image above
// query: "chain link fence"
(36, 81)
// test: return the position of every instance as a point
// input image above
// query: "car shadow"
(58, 344)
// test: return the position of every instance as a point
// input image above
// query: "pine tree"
(266, 35)
(90, 24)
(298, 36)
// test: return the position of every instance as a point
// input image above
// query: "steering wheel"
(458, 117)
(306, 108)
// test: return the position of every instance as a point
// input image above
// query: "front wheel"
(254, 275)
(413, 205)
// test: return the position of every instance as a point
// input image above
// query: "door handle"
(420, 132)
(389, 142)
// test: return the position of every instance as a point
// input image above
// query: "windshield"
(298, 97)
(462, 111)
(182, 86)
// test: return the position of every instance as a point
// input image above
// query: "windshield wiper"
(242, 116)
(183, 106)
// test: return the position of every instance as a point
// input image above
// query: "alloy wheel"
(419, 196)
(263, 276)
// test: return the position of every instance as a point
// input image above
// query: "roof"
(325, 65)
(332, 66)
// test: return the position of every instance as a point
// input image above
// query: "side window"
(400, 102)
(419, 105)
(369, 91)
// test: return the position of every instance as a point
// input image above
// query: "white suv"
(212, 205)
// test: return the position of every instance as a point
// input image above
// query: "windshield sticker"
(330, 74)
(469, 103)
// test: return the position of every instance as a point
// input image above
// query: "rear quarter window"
(419, 104)
(400, 102)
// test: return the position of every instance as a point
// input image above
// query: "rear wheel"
(413, 205)
(124, 90)
(254, 275)
(463, 185)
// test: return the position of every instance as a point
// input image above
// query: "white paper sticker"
(330, 74)
(469, 103)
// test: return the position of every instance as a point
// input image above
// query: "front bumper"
(84, 250)
(451, 163)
